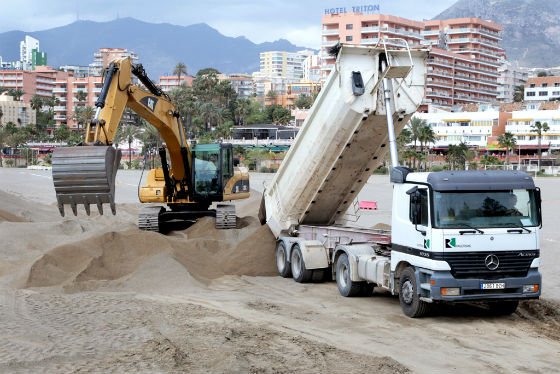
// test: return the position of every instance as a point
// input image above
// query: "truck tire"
(502, 308)
(346, 286)
(409, 298)
(299, 272)
(282, 263)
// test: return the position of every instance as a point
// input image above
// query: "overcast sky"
(299, 21)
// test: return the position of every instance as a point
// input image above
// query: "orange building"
(40, 81)
(67, 91)
(105, 55)
(463, 62)
(169, 82)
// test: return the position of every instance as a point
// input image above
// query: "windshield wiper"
(520, 226)
(470, 227)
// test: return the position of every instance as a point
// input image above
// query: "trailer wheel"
(299, 272)
(346, 286)
(282, 263)
(503, 308)
(409, 297)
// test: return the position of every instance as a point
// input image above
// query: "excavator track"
(148, 219)
(225, 217)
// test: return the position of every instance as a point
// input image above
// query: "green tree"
(414, 126)
(489, 160)
(281, 116)
(271, 95)
(303, 101)
(426, 136)
(16, 93)
(519, 93)
(36, 103)
(180, 69)
(127, 134)
(542, 74)
(539, 128)
(507, 141)
(62, 133)
(402, 140)
(456, 155)
(83, 115)
(81, 96)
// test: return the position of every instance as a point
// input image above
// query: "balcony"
(60, 109)
(329, 43)
(74, 90)
(97, 89)
(59, 118)
(329, 32)
(430, 32)
(59, 90)
(370, 29)
(370, 41)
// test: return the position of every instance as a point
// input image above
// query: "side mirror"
(538, 201)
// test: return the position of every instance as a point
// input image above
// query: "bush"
(264, 169)
(437, 168)
(382, 170)
(136, 164)
(9, 163)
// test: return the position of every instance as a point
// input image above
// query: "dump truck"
(456, 236)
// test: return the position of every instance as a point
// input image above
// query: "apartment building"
(40, 81)
(283, 64)
(312, 68)
(242, 84)
(104, 55)
(542, 88)
(18, 112)
(364, 29)
(67, 91)
(521, 122)
(464, 56)
(169, 82)
(510, 77)
(303, 88)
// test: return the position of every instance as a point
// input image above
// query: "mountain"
(159, 46)
(531, 33)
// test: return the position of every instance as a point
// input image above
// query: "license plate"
(492, 286)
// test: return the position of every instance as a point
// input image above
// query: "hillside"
(531, 33)
(159, 46)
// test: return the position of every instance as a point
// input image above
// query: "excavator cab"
(212, 169)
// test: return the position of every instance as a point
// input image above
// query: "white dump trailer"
(453, 236)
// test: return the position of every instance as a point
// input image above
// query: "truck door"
(422, 229)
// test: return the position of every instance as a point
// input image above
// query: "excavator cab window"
(207, 173)
(227, 162)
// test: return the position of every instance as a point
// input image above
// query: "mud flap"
(262, 211)
(85, 175)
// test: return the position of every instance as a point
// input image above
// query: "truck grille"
(472, 265)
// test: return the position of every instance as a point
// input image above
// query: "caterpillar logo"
(150, 102)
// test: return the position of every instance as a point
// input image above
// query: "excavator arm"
(86, 174)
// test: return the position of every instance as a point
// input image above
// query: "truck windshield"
(479, 209)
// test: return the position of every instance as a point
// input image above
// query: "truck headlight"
(451, 291)
(530, 288)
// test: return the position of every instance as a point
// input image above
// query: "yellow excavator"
(196, 177)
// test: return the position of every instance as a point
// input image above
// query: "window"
(543, 93)
(556, 84)
(206, 170)
(530, 94)
(556, 93)
(544, 85)
(349, 26)
(349, 38)
(423, 207)
(532, 85)
(532, 137)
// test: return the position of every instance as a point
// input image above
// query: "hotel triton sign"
(358, 8)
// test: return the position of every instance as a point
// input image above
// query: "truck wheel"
(346, 286)
(502, 308)
(409, 298)
(282, 263)
(299, 272)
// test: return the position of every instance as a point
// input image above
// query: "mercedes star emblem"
(492, 262)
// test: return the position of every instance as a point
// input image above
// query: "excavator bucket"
(85, 175)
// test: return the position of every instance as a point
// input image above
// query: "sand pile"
(204, 252)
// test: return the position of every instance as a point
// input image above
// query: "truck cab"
(468, 235)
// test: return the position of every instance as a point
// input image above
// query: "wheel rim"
(407, 291)
(296, 264)
(343, 275)
(281, 259)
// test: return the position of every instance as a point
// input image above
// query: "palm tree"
(16, 93)
(426, 136)
(518, 93)
(243, 109)
(81, 96)
(540, 128)
(414, 126)
(128, 133)
(36, 103)
(507, 141)
(179, 69)
(83, 115)
(271, 95)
